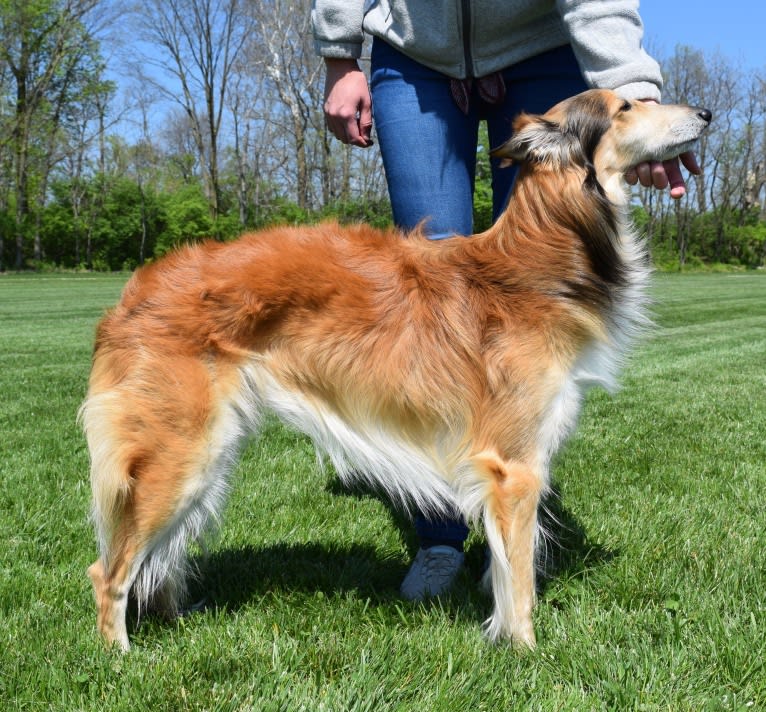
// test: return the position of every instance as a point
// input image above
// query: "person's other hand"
(666, 173)
(347, 102)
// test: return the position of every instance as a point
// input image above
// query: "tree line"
(127, 129)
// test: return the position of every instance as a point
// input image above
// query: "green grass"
(655, 597)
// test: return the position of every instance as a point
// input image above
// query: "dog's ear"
(534, 138)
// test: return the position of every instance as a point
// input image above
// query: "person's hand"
(666, 173)
(347, 102)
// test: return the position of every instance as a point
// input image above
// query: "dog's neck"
(565, 212)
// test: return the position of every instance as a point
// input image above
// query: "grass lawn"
(655, 597)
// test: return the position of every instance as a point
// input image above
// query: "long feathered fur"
(448, 373)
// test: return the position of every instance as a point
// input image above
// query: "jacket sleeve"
(337, 27)
(606, 36)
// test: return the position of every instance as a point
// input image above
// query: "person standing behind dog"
(437, 70)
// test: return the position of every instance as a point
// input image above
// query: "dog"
(446, 372)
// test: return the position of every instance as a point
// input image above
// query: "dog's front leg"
(510, 520)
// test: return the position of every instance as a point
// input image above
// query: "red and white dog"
(448, 373)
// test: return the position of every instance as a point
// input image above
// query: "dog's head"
(600, 131)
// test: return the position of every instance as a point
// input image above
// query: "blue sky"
(737, 28)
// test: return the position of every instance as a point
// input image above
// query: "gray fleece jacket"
(473, 38)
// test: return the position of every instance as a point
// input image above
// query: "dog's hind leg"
(131, 533)
(160, 466)
(170, 499)
(510, 493)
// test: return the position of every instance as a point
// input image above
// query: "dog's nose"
(705, 114)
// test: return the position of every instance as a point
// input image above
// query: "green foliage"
(375, 213)
(747, 244)
(482, 205)
(282, 211)
(729, 237)
(112, 214)
(52, 87)
(7, 228)
(110, 217)
(482, 197)
(187, 218)
(59, 238)
(713, 240)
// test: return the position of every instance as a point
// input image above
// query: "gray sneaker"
(432, 573)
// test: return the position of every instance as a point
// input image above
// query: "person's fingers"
(644, 173)
(352, 131)
(347, 126)
(659, 175)
(668, 173)
(359, 134)
(675, 178)
(348, 107)
(365, 119)
(689, 160)
(337, 128)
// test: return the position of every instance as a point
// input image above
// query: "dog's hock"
(111, 608)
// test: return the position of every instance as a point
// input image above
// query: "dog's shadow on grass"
(234, 578)
(565, 552)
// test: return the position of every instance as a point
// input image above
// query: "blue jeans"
(429, 148)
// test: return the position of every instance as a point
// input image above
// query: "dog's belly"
(413, 472)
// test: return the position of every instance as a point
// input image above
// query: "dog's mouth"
(681, 138)
(672, 151)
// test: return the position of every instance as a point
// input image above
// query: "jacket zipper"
(465, 6)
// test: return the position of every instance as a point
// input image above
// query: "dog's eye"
(626, 106)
